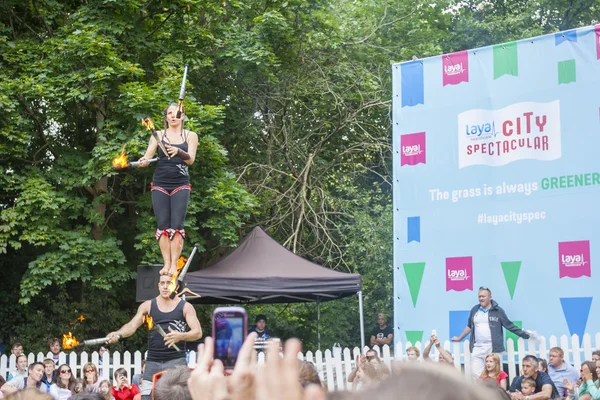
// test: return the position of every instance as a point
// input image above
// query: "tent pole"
(318, 324)
(362, 320)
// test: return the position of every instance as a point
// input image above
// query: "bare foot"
(164, 271)
(173, 271)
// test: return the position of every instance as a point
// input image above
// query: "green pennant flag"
(506, 61)
(511, 271)
(512, 336)
(566, 71)
(414, 276)
(414, 337)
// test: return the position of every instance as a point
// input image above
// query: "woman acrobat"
(170, 185)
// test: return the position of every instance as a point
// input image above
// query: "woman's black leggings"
(170, 209)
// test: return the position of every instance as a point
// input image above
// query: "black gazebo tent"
(260, 270)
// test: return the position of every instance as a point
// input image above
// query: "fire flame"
(180, 263)
(121, 160)
(148, 321)
(69, 341)
(147, 122)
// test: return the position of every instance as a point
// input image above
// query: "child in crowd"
(412, 353)
(528, 387)
(123, 390)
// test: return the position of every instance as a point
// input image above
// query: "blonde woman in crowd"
(493, 370)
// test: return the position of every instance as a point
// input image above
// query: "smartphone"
(433, 332)
(229, 330)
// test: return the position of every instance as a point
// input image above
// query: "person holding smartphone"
(177, 318)
(123, 390)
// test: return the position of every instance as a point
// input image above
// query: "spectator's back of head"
(427, 381)
(172, 385)
(87, 396)
(308, 374)
(493, 385)
(29, 394)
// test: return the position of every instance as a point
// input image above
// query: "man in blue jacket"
(486, 321)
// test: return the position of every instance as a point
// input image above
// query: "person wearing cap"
(260, 327)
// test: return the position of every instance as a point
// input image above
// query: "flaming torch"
(178, 278)
(147, 122)
(182, 92)
(150, 325)
(121, 162)
(69, 341)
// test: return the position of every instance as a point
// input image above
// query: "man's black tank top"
(173, 173)
(157, 350)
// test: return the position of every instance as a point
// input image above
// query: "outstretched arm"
(464, 334)
(508, 324)
(427, 349)
(129, 328)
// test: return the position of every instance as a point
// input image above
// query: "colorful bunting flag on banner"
(414, 337)
(455, 68)
(576, 310)
(574, 259)
(414, 229)
(414, 276)
(511, 271)
(459, 273)
(414, 148)
(566, 71)
(458, 322)
(560, 37)
(413, 87)
(506, 60)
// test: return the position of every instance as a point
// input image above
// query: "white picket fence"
(335, 365)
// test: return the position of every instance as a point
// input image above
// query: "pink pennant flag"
(598, 41)
(574, 259)
(455, 68)
(413, 146)
(459, 273)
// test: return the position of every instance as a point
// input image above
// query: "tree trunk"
(101, 186)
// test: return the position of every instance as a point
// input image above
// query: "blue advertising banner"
(497, 184)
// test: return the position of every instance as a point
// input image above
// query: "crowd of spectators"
(288, 378)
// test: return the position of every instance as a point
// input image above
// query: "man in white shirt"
(486, 322)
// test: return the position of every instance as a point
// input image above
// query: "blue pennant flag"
(576, 310)
(413, 87)
(560, 37)
(414, 229)
(458, 321)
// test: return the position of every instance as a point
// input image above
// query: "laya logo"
(413, 149)
(459, 273)
(519, 131)
(574, 259)
(483, 131)
(455, 68)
